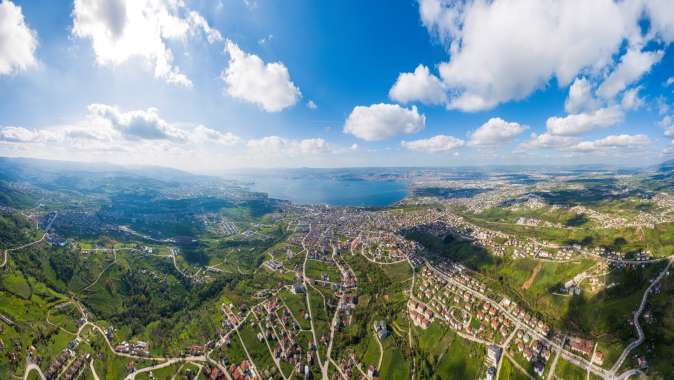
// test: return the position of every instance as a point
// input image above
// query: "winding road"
(637, 314)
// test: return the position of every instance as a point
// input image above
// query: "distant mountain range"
(18, 169)
(666, 166)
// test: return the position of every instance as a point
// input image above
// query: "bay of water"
(327, 190)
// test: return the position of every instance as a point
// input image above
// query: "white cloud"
(667, 123)
(546, 140)
(18, 134)
(17, 41)
(577, 124)
(63, 135)
(435, 144)
(312, 105)
(669, 81)
(204, 135)
(631, 99)
(663, 105)
(632, 66)
(382, 121)
(198, 22)
(275, 145)
(107, 124)
(661, 14)
(265, 39)
(420, 86)
(503, 50)
(251, 4)
(580, 97)
(122, 29)
(139, 124)
(250, 79)
(313, 146)
(495, 131)
(612, 143)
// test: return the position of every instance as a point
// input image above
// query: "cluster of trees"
(13, 229)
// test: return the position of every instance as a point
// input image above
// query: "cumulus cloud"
(576, 124)
(276, 145)
(667, 123)
(495, 131)
(580, 97)
(547, 140)
(273, 144)
(435, 144)
(108, 124)
(612, 143)
(139, 124)
(503, 50)
(123, 29)
(382, 121)
(204, 135)
(631, 99)
(632, 66)
(18, 134)
(250, 79)
(312, 105)
(197, 22)
(661, 17)
(17, 41)
(65, 135)
(421, 86)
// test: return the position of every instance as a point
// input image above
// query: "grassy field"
(513, 274)
(161, 373)
(258, 350)
(17, 284)
(509, 372)
(297, 305)
(317, 269)
(568, 371)
(660, 330)
(394, 366)
(452, 356)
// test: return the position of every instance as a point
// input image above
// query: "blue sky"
(211, 85)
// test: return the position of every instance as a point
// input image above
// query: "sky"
(210, 85)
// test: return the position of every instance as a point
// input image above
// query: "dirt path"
(530, 281)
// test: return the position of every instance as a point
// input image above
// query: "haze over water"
(325, 189)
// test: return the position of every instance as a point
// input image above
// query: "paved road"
(333, 325)
(518, 366)
(554, 362)
(634, 344)
(324, 372)
(504, 347)
(93, 370)
(573, 358)
(6, 319)
(44, 236)
(114, 261)
(33, 367)
(271, 352)
(167, 363)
